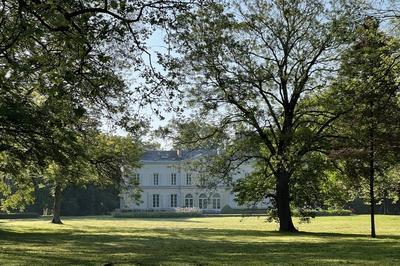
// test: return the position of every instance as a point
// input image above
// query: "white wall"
(165, 189)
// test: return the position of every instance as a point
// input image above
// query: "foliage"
(101, 161)
(328, 212)
(53, 78)
(157, 214)
(358, 206)
(78, 200)
(16, 190)
(104, 163)
(252, 70)
(22, 215)
(392, 184)
(332, 212)
(228, 210)
(368, 86)
(61, 77)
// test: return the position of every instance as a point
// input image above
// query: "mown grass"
(202, 240)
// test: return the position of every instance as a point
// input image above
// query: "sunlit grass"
(212, 240)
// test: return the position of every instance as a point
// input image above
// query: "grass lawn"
(208, 240)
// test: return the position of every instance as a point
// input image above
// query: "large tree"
(104, 161)
(252, 69)
(52, 52)
(369, 86)
(61, 75)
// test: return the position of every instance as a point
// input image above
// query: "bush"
(228, 210)
(333, 213)
(23, 215)
(156, 214)
(329, 212)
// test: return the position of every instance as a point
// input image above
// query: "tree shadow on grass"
(131, 219)
(178, 219)
(194, 246)
(344, 235)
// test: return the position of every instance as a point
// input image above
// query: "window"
(216, 201)
(156, 200)
(155, 179)
(173, 179)
(203, 201)
(136, 179)
(174, 200)
(189, 201)
(202, 180)
(188, 179)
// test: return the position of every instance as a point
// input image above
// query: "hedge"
(228, 210)
(334, 213)
(23, 215)
(225, 211)
(155, 214)
(329, 212)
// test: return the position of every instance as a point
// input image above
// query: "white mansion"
(166, 185)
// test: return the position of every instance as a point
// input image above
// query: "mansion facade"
(166, 184)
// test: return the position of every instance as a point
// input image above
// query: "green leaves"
(58, 82)
(368, 86)
(257, 69)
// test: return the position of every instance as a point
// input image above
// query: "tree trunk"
(57, 205)
(371, 182)
(283, 203)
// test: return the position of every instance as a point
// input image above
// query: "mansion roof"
(172, 155)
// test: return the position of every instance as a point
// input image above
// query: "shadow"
(179, 220)
(192, 246)
(343, 235)
(133, 219)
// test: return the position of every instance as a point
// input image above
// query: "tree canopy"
(253, 69)
(368, 86)
(61, 76)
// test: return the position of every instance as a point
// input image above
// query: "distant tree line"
(77, 201)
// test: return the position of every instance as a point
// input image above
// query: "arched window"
(216, 201)
(189, 201)
(203, 201)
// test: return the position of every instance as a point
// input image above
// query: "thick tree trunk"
(371, 183)
(57, 205)
(283, 203)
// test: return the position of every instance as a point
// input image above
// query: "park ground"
(198, 241)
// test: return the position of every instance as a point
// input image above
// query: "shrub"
(22, 215)
(228, 210)
(333, 212)
(329, 212)
(157, 214)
